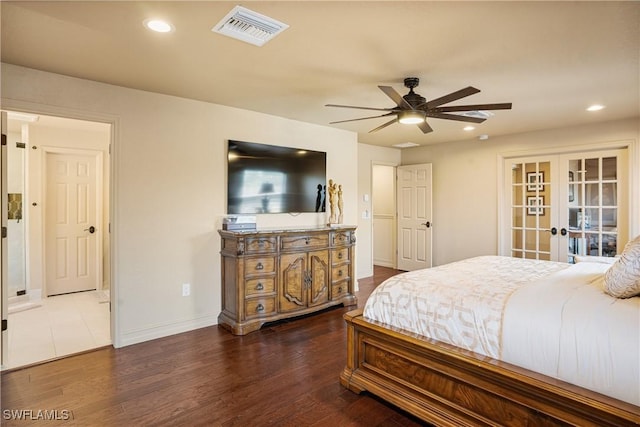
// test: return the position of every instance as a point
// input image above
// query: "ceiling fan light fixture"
(411, 117)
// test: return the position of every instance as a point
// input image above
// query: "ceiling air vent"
(249, 26)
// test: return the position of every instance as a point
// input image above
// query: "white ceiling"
(550, 59)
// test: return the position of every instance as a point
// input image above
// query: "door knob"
(427, 224)
(554, 231)
(563, 231)
(91, 229)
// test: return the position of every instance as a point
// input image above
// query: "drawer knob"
(340, 290)
(261, 244)
(339, 255)
(259, 266)
(259, 287)
(259, 308)
(307, 240)
(340, 273)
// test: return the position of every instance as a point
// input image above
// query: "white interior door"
(72, 219)
(414, 216)
(4, 201)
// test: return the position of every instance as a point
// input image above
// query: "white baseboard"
(384, 263)
(161, 331)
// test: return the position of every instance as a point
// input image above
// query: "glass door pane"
(531, 214)
(593, 206)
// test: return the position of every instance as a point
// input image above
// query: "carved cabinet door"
(318, 271)
(293, 287)
(304, 279)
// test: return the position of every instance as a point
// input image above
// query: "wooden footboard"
(448, 386)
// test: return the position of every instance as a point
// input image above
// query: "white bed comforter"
(552, 318)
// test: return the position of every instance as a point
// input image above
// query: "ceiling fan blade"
(396, 97)
(361, 108)
(453, 96)
(383, 126)
(361, 118)
(424, 127)
(476, 107)
(455, 117)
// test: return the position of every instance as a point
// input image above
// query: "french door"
(568, 205)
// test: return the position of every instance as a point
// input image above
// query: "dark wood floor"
(284, 375)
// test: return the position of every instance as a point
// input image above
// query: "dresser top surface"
(293, 229)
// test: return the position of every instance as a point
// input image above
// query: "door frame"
(98, 157)
(114, 123)
(4, 280)
(633, 189)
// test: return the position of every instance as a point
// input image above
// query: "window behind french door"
(566, 205)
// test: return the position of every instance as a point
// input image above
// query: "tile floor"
(62, 325)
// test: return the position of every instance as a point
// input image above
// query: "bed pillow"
(622, 279)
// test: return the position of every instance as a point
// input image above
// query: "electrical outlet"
(186, 289)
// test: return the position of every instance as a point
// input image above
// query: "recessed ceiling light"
(158, 25)
(468, 128)
(483, 137)
(595, 107)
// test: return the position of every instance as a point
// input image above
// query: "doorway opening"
(383, 194)
(59, 287)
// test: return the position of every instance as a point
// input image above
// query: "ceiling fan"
(414, 109)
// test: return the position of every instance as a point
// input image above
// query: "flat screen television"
(265, 178)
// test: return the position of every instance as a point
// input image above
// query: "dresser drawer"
(305, 241)
(260, 306)
(340, 289)
(341, 238)
(339, 255)
(261, 265)
(258, 245)
(260, 285)
(340, 273)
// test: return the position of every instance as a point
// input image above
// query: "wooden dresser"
(269, 275)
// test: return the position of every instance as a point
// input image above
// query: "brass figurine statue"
(332, 189)
(340, 204)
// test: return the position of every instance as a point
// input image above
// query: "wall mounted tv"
(272, 179)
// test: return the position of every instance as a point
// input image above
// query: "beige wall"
(169, 189)
(367, 156)
(465, 182)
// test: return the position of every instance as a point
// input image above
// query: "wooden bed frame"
(448, 386)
